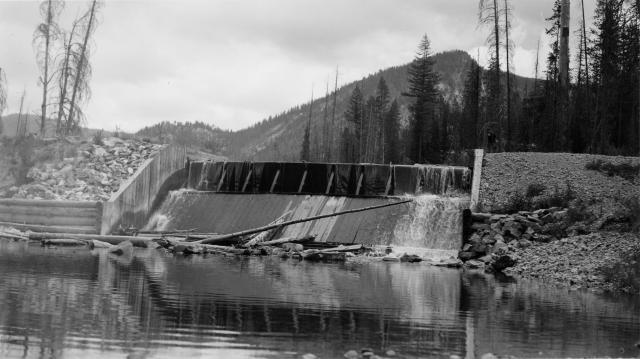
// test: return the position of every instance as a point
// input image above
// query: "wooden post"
(330, 183)
(246, 181)
(275, 180)
(304, 178)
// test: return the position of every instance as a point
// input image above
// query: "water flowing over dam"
(229, 197)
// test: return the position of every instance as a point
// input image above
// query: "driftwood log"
(296, 221)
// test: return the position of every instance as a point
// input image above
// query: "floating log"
(64, 242)
(276, 242)
(136, 241)
(50, 229)
(296, 221)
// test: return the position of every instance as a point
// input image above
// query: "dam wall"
(337, 179)
(137, 198)
(428, 222)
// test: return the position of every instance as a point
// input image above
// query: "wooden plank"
(49, 229)
(49, 211)
(275, 181)
(48, 220)
(47, 203)
(304, 178)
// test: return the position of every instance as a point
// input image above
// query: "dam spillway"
(221, 197)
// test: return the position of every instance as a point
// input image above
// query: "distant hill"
(280, 137)
(10, 126)
(196, 135)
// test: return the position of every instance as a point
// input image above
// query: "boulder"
(474, 264)
(500, 262)
(123, 248)
(465, 256)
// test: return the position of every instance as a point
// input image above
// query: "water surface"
(73, 303)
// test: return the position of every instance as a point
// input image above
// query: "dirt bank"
(588, 239)
(506, 174)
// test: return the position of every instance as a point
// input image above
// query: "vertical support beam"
(359, 183)
(246, 181)
(389, 181)
(221, 181)
(275, 180)
(330, 182)
(477, 177)
(304, 178)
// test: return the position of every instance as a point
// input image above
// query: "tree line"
(586, 104)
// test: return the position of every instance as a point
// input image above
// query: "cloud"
(232, 63)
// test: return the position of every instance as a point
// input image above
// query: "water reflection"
(76, 303)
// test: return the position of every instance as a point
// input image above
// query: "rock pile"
(93, 174)
(495, 237)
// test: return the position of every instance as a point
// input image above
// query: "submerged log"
(136, 241)
(302, 220)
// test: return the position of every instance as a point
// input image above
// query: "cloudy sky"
(234, 62)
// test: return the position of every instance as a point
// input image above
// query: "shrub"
(98, 138)
(535, 189)
(558, 198)
(624, 274)
(625, 170)
(517, 202)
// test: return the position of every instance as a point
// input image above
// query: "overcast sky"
(234, 62)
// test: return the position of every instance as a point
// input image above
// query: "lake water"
(76, 303)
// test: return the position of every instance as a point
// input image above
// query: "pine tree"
(355, 120)
(391, 137)
(380, 112)
(471, 106)
(422, 88)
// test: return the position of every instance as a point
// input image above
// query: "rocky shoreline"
(545, 245)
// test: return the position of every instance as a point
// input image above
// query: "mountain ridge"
(279, 137)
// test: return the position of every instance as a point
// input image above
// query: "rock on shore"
(93, 173)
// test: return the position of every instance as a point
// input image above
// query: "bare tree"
(508, 47)
(3, 97)
(489, 15)
(44, 37)
(81, 69)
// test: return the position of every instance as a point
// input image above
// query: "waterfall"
(432, 222)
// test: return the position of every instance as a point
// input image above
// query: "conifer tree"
(391, 153)
(422, 89)
(355, 120)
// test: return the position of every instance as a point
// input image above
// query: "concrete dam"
(227, 197)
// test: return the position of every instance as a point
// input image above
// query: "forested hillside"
(280, 137)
